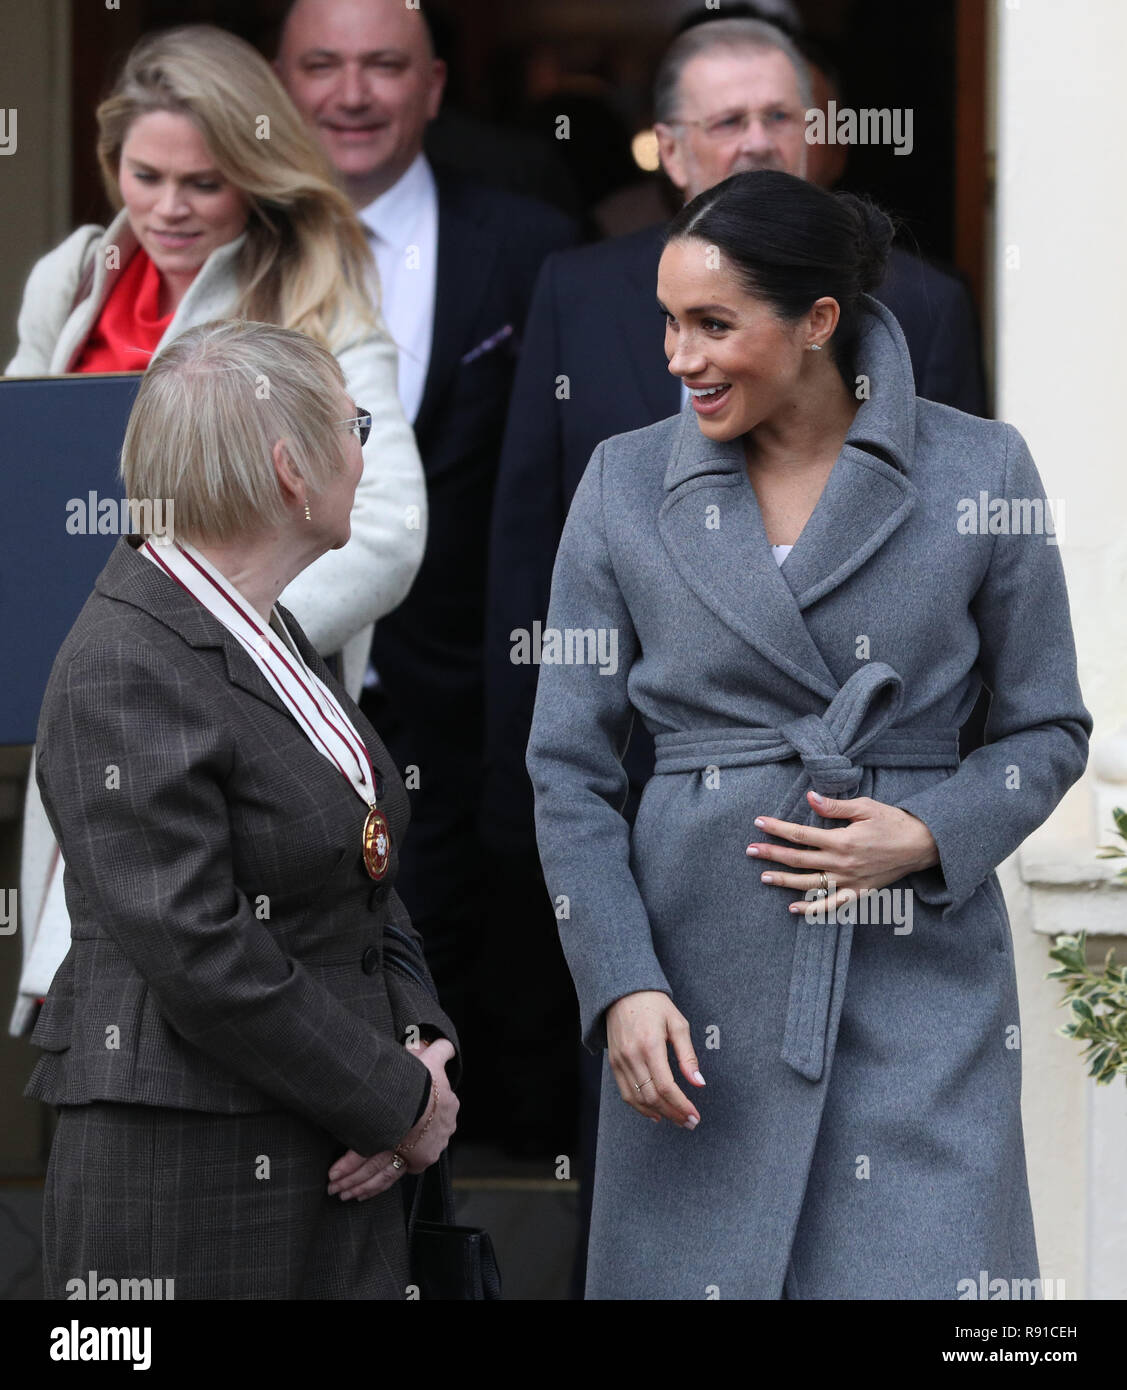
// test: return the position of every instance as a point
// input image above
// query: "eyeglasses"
(733, 124)
(359, 424)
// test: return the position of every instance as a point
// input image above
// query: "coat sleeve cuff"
(950, 884)
(422, 1110)
(414, 1006)
(594, 1020)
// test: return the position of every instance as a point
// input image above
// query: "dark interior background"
(516, 64)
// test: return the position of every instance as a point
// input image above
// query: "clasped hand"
(882, 844)
(355, 1177)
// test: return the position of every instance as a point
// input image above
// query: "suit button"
(378, 895)
(370, 961)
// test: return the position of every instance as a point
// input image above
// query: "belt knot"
(859, 713)
(830, 771)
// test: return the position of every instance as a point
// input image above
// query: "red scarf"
(128, 329)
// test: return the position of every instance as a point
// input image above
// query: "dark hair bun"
(875, 231)
(792, 243)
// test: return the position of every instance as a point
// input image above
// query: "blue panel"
(60, 441)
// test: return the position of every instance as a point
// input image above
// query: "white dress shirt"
(403, 227)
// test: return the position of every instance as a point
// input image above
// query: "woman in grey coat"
(805, 909)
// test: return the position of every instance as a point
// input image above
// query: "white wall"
(1059, 309)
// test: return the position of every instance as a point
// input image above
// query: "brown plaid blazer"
(227, 945)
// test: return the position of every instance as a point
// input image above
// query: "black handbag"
(447, 1261)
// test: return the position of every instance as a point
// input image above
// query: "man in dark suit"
(457, 263)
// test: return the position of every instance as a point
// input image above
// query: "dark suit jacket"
(594, 320)
(227, 944)
(490, 247)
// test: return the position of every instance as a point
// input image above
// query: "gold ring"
(638, 1085)
(825, 881)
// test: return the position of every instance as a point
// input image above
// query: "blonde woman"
(228, 209)
(270, 1078)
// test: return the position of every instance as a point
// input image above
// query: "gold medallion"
(377, 844)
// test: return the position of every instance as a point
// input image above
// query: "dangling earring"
(307, 516)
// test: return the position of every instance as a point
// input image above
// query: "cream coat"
(337, 600)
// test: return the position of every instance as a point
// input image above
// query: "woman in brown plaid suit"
(240, 1081)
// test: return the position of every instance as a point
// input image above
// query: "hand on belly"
(880, 845)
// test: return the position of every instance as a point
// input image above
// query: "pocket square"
(488, 344)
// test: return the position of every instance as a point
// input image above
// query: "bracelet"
(401, 1149)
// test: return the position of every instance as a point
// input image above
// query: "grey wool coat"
(860, 1129)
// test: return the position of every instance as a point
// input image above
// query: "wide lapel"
(133, 579)
(868, 493)
(640, 328)
(724, 554)
(466, 255)
(711, 527)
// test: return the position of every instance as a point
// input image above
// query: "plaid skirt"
(225, 1206)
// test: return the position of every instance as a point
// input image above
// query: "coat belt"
(835, 748)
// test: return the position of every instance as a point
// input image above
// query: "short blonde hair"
(306, 263)
(209, 411)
